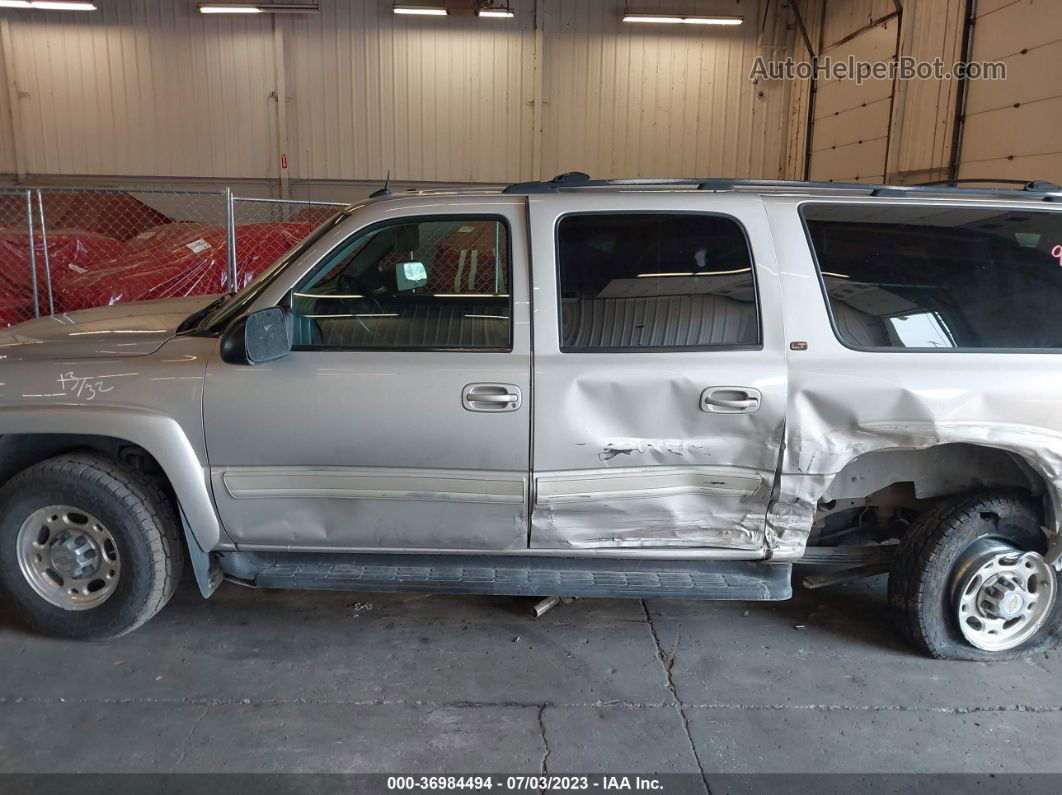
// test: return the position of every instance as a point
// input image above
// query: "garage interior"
(244, 131)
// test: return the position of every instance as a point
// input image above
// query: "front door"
(660, 380)
(401, 419)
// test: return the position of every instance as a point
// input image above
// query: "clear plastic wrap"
(63, 250)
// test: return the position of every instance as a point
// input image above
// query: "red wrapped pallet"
(165, 262)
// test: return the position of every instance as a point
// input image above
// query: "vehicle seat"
(439, 323)
(671, 320)
(866, 331)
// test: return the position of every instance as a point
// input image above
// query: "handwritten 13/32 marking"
(82, 386)
(1056, 252)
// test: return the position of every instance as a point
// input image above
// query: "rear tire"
(88, 548)
(934, 581)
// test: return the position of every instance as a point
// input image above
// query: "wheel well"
(18, 451)
(881, 492)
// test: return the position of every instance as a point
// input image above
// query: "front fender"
(158, 434)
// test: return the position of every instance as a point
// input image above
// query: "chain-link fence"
(63, 249)
(266, 228)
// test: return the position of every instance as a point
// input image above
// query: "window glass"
(421, 284)
(930, 278)
(655, 281)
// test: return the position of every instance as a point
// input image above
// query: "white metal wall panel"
(627, 99)
(1011, 128)
(850, 138)
(143, 88)
(426, 98)
(8, 160)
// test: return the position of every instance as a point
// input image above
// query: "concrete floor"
(335, 682)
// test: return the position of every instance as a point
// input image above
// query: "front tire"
(88, 548)
(969, 581)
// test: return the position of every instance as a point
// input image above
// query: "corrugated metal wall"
(655, 100)
(140, 88)
(446, 100)
(147, 88)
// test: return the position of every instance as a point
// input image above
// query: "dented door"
(659, 374)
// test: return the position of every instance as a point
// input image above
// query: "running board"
(513, 575)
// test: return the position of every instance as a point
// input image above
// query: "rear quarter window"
(932, 278)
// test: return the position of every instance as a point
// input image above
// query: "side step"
(513, 575)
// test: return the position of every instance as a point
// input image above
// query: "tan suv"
(651, 389)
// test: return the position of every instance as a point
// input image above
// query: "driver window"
(428, 284)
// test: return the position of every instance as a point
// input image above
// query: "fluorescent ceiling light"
(438, 11)
(219, 9)
(421, 11)
(260, 8)
(49, 5)
(58, 5)
(712, 20)
(674, 19)
(642, 18)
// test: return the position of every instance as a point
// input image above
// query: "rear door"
(659, 371)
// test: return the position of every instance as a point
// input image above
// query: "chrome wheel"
(68, 557)
(1001, 595)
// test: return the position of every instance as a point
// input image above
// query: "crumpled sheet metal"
(651, 506)
(818, 449)
(647, 523)
(625, 457)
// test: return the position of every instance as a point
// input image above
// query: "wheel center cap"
(1012, 605)
(74, 555)
(1004, 598)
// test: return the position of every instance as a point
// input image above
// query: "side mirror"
(257, 338)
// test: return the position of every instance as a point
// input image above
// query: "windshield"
(220, 314)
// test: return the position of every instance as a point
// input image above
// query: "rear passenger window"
(440, 283)
(655, 281)
(927, 277)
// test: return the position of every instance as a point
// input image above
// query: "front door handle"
(491, 397)
(731, 400)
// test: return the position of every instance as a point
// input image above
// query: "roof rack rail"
(1031, 185)
(1047, 191)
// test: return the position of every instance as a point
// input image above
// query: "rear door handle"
(731, 400)
(491, 397)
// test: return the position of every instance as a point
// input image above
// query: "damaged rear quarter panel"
(844, 403)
